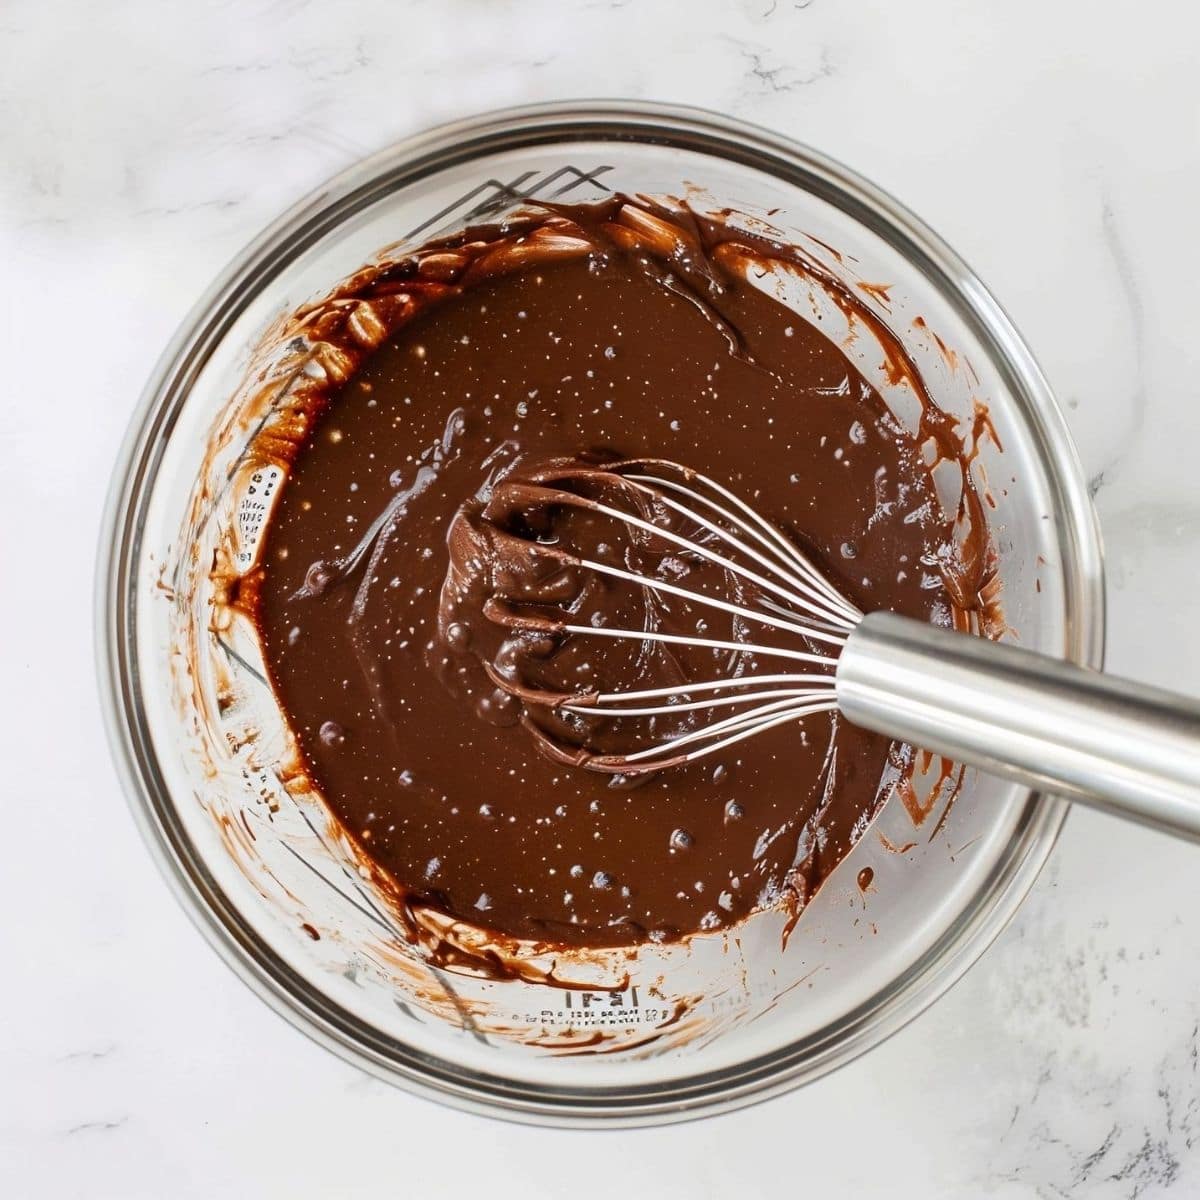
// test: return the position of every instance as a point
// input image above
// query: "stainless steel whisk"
(1115, 744)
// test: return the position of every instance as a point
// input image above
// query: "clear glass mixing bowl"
(726, 1019)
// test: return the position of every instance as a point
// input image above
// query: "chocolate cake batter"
(586, 334)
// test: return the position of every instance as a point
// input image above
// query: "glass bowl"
(667, 1032)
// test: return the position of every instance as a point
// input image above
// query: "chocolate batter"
(560, 601)
(613, 331)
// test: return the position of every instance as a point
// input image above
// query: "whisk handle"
(1119, 746)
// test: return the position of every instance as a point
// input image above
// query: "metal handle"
(1119, 746)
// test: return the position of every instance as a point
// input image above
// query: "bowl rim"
(119, 552)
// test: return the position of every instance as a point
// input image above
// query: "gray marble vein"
(1127, 278)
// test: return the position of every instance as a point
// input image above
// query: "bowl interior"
(725, 1018)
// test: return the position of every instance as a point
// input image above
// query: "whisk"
(1115, 744)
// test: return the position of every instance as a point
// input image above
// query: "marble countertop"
(1057, 146)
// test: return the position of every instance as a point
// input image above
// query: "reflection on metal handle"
(1119, 746)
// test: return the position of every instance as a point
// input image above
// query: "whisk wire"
(726, 733)
(711, 685)
(834, 607)
(679, 639)
(662, 710)
(805, 629)
(694, 547)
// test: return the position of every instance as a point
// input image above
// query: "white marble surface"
(1057, 146)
